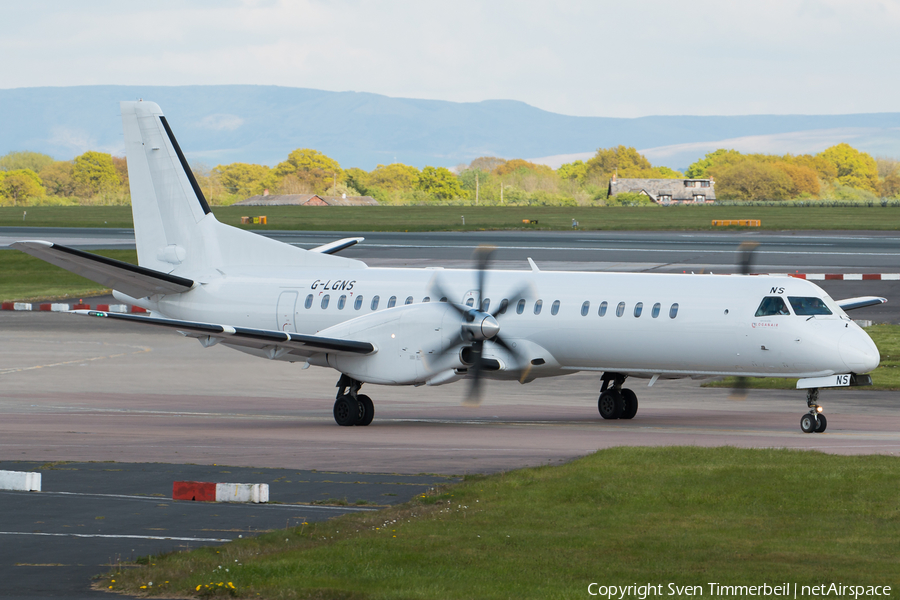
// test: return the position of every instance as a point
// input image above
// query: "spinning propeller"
(745, 262)
(478, 325)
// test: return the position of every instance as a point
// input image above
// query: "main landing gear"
(813, 421)
(616, 402)
(351, 407)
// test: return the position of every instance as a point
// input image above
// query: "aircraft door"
(767, 335)
(284, 314)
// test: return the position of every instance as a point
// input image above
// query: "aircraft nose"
(859, 352)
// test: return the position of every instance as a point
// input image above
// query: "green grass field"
(624, 515)
(449, 218)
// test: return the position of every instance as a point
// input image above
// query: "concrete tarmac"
(85, 389)
(90, 517)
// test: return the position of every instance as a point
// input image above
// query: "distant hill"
(261, 124)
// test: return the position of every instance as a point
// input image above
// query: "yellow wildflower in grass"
(198, 587)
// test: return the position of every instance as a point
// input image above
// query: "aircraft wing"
(276, 343)
(133, 280)
(861, 302)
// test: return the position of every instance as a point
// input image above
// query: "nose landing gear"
(813, 421)
(616, 402)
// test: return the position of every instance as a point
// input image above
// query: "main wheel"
(366, 409)
(346, 411)
(808, 423)
(823, 423)
(629, 404)
(610, 405)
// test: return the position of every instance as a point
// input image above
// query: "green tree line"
(840, 172)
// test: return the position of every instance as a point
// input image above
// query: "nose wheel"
(616, 402)
(813, 421)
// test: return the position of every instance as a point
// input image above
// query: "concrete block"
(22, 306)
(118, 308)
(242, 492)
(59, 307)
(194, 490)
(20, 480)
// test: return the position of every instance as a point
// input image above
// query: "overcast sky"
(625, 58)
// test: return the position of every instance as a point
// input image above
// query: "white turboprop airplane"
(221, 284)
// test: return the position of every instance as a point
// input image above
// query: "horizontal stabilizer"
(278, 343)
(133, 280)
(337, 245)
(861, 302)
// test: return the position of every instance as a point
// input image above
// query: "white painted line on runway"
(115, 537)
(10, 370)
(158, 499)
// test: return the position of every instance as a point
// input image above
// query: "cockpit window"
(808, 306)
(772, 305)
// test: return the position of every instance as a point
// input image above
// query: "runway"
(862, 251)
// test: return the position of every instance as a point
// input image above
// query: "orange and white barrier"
(201, 491)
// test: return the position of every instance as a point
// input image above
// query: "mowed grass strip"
(648, 515)
(24, 278)
(450, 218)
(885, 377)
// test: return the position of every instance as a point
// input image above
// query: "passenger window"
(538, 305)
(392, 302)
(470, 302)
(520, 307)
(655, 312)
(358, 304)
(804, 307)
(308, 303)
(673, 312)
(602, 311)
(485, 305)
(585, 308)
(554, 308)
(374, 305)
(443, 299)
(772, 305)
(638, 309)
(325, 300)
(504, 304)
(620, 309)
(408, 300)
(341, 302)
(426, 299)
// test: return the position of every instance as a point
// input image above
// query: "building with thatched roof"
(306, 200)
(666, 191)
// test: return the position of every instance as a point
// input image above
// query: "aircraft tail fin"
(174, 227)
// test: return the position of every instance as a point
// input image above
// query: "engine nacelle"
(410, 343)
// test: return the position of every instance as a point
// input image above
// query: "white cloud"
(574, 57)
